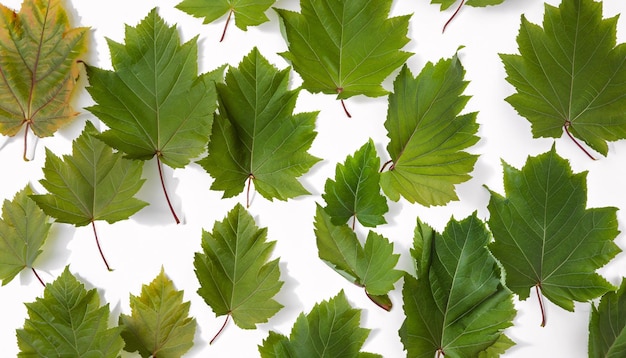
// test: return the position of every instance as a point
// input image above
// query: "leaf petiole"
(167, 197)
(566, 127)
(221, 329)
(95, 233)
(453, 16)
(28, 122)
(540, 299)
(250, 178)
(230, 14)
(38, 277)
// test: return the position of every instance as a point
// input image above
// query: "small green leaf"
(68, 322)
(330, 330)
(607, 326)
(160, 325)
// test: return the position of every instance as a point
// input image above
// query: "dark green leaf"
(607, 327)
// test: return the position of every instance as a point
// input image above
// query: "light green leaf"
(330, 330)
(160, 325)
(236, 278)
(427, 134)
(457, 306)
(23, 230)
(68, 322)
(570, 75)
(255, 135)
(546, 238)
(445, 4)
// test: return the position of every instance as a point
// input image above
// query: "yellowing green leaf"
(570, 75)
(160, 325)
(39, 53)
(236, 278)
(68, 322)
(427, 134)
(255, 135)
(23, 230)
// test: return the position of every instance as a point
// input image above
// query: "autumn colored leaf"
(160, 325)
(546, 238)
(607, 326)
(345, 47)
(23, 230)
(457, 306)
(68, 322)
(154, 102)
(256, 138)
(39, 55)
(355, 192)
(331, 329)
(236, 278)
(246, 12)
(94, 183)
(428, 135)
(570, 75)
(371, 266)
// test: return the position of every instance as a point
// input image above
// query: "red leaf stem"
(386, 164)
(543, 310)
(95, 233)
(230, 13)
(343, 104)
(453, 16)
(221, 329)
(167, 197)
(566, 126)
(38, 277)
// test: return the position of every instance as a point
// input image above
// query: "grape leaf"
(355, 192)
(544, 235)
(330, 330)
(255, 135)
(235, 276)
(371, 266)
(154, 102)
(427, 134)
(570, 75)
(607, 326)
(93, 183)
(247, 12)
(68, 322)
(458, 306)
(160, 325)
(39, 55)
(23, 230)
(345, 47)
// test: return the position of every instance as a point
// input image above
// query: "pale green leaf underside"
(160, 325)
(545, 235)
(246, 12)
(68, 322)
(235, 275)
(345, 47)
(570, 72)
(607, 326)
(23, 230)
(427, 134)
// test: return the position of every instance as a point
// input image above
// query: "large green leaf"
(39, 54)
(458, 306)
(160, 325)
(345, 47)
(570, 75)
(545, 236)
(68, 322)
(236, 278)
(607, 326)
(23, 230)
(355, 192)
(255, 135)
(427, 134)
(371, 266)
(332, 329)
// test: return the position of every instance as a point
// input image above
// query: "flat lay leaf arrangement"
(240, 124)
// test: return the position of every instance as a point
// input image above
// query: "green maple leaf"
(247, 12)
(23, 230)
(371, 266)
(68, 322)
(570, 75)
(154, 102)
(607, 326)
(39, 54)
(255, 135)
(427, 134)
(445, 4)
(331, 329)
(355, 192)
(236, 278)
(458, 306)
(345, 47)
(544, 235)
(93, 183)
(160, 325)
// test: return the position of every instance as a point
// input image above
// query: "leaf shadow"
(292, 306)
(54, 254)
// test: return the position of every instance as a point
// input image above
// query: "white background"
(137, 248)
